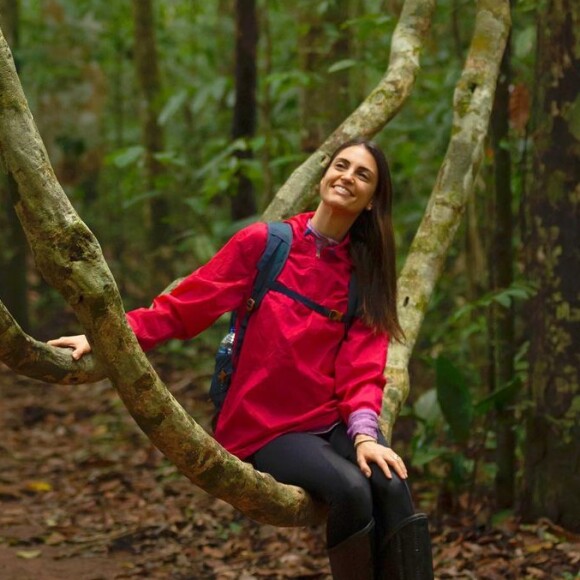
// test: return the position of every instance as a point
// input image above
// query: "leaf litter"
(84, 495)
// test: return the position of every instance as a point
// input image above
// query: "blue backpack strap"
(353, 301)
(275, 254)
(335, 315)
(272, 261)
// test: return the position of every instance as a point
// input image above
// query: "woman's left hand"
(373, 452)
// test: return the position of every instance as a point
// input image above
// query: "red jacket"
(295, 372)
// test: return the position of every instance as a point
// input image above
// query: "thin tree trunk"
(118, 111)
(243, 202)
(501, 277)
(475, 264)
(147, 64)
(552, 260)
(14, 286)
(266, 108)
(324, 99)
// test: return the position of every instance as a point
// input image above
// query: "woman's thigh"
(310, 461)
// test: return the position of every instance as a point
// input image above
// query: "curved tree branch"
(382, 104)
(70, 259)
(472, 106)
(35, 359)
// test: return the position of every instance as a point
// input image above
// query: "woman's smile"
(341, 190)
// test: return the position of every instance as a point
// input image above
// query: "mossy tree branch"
(472, 105)
(70, 259)
(382, 104)
(35, 359)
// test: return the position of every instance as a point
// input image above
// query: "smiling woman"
(306, 392)
(346, 189)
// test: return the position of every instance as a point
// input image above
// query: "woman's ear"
(369, 206)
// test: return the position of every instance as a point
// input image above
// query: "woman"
(305, 397)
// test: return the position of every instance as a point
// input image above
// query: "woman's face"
(350, 181)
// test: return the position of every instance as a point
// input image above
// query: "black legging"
(325, 465)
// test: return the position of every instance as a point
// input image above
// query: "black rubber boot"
(352, 559)
(407, 554)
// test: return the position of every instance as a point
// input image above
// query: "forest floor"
(84, 496)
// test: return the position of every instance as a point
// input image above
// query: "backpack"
(270, 265)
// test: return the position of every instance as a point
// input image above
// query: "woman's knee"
(394, 491)
(351, 494)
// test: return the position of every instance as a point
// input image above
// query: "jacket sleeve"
(213, 289)
(359, 370)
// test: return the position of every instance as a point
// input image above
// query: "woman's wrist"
(361, 438)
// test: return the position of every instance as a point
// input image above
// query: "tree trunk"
(265, 103)
(13, 252)
(552, 454)
(147, 64)
(9, 20)
(501, 277)
(324, 99)
(243, 203)
(70, 259)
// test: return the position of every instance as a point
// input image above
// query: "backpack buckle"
(250, 304)
(335, 315)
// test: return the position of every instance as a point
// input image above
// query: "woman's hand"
(79, 344)
(369, 451)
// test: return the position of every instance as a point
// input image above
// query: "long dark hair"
(372, 250)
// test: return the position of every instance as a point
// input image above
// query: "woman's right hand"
(79, 344)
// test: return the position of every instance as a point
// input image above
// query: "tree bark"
(37, 360)
(14, 288)
(501, 277)
(243, 202)
(552, 260)
(147, 66)
(69, 258)
(265, 106)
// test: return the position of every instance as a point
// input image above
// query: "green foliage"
(452, 442)
(454, 398)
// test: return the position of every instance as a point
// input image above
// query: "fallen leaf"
(536, 572)
(29, 554)
(38, 486)
(538, 547)
(54, 539)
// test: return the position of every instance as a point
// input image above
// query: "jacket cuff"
(363, 422)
